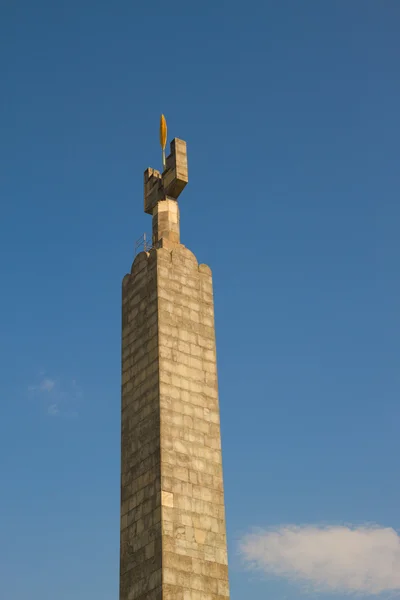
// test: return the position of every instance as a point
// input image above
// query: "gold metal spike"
(163, 137)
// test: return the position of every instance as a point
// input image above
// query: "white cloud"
(46, 385)
(58, 399)
(350, 560)
(53, 410)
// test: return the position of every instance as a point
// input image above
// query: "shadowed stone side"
(173, 538)
(140, 553)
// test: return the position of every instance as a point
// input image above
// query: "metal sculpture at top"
(163, 138)
(174, 177)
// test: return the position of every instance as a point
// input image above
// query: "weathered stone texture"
(140, 559)
(173, 538)
(166, 221)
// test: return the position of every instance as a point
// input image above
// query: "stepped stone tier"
(173, 533)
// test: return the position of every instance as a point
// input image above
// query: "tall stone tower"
(173, 538)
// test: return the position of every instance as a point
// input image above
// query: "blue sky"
(291, 115)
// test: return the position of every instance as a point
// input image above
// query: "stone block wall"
(140, 550)
(173, 537)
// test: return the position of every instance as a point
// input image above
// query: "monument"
(173, 534)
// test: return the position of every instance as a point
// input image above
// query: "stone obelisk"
(173, 535)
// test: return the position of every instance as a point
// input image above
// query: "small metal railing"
(143, 244)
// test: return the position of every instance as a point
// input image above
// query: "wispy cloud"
(53, 410)
(58, 399)
(351, 560)
(46, 385)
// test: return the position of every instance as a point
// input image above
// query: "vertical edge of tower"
(140, 538)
